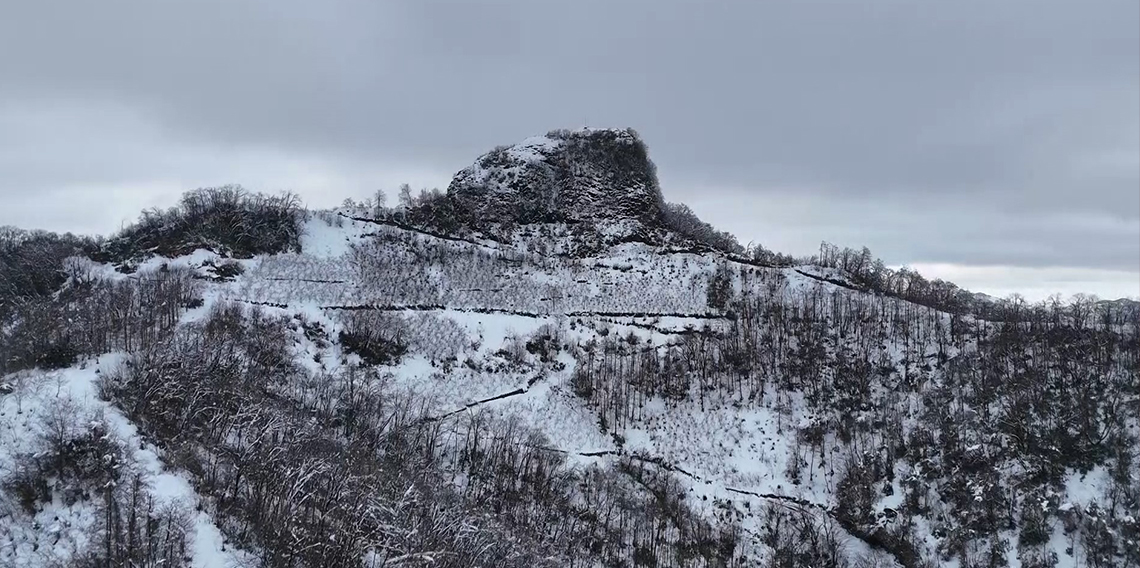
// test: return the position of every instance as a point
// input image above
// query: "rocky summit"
(603, 178)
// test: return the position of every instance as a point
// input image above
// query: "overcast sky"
(992, 142)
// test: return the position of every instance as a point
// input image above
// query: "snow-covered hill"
(387, 394)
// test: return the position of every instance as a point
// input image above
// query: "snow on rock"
(591, 175)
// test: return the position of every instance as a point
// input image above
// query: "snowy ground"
(60, 532)
(731, 453)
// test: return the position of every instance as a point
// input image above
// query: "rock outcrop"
(602, 179)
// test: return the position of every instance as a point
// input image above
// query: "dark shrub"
(227, 220)
(375, 336)
(31, 262)
(60, 354)
(227, 270)
(372, 350)
(28, 484)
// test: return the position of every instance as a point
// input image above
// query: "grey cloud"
(976, 131)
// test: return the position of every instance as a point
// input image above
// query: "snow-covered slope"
(484, 390)
(42, 408)
(532, 339)
(473, 304)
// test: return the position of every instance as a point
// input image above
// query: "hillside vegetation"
(240, 382)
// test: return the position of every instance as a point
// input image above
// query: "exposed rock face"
(599, 177)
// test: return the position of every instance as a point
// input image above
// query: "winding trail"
(875, 538)
(519, 391)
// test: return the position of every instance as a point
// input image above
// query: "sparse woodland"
(922, 423)
(976, 422)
